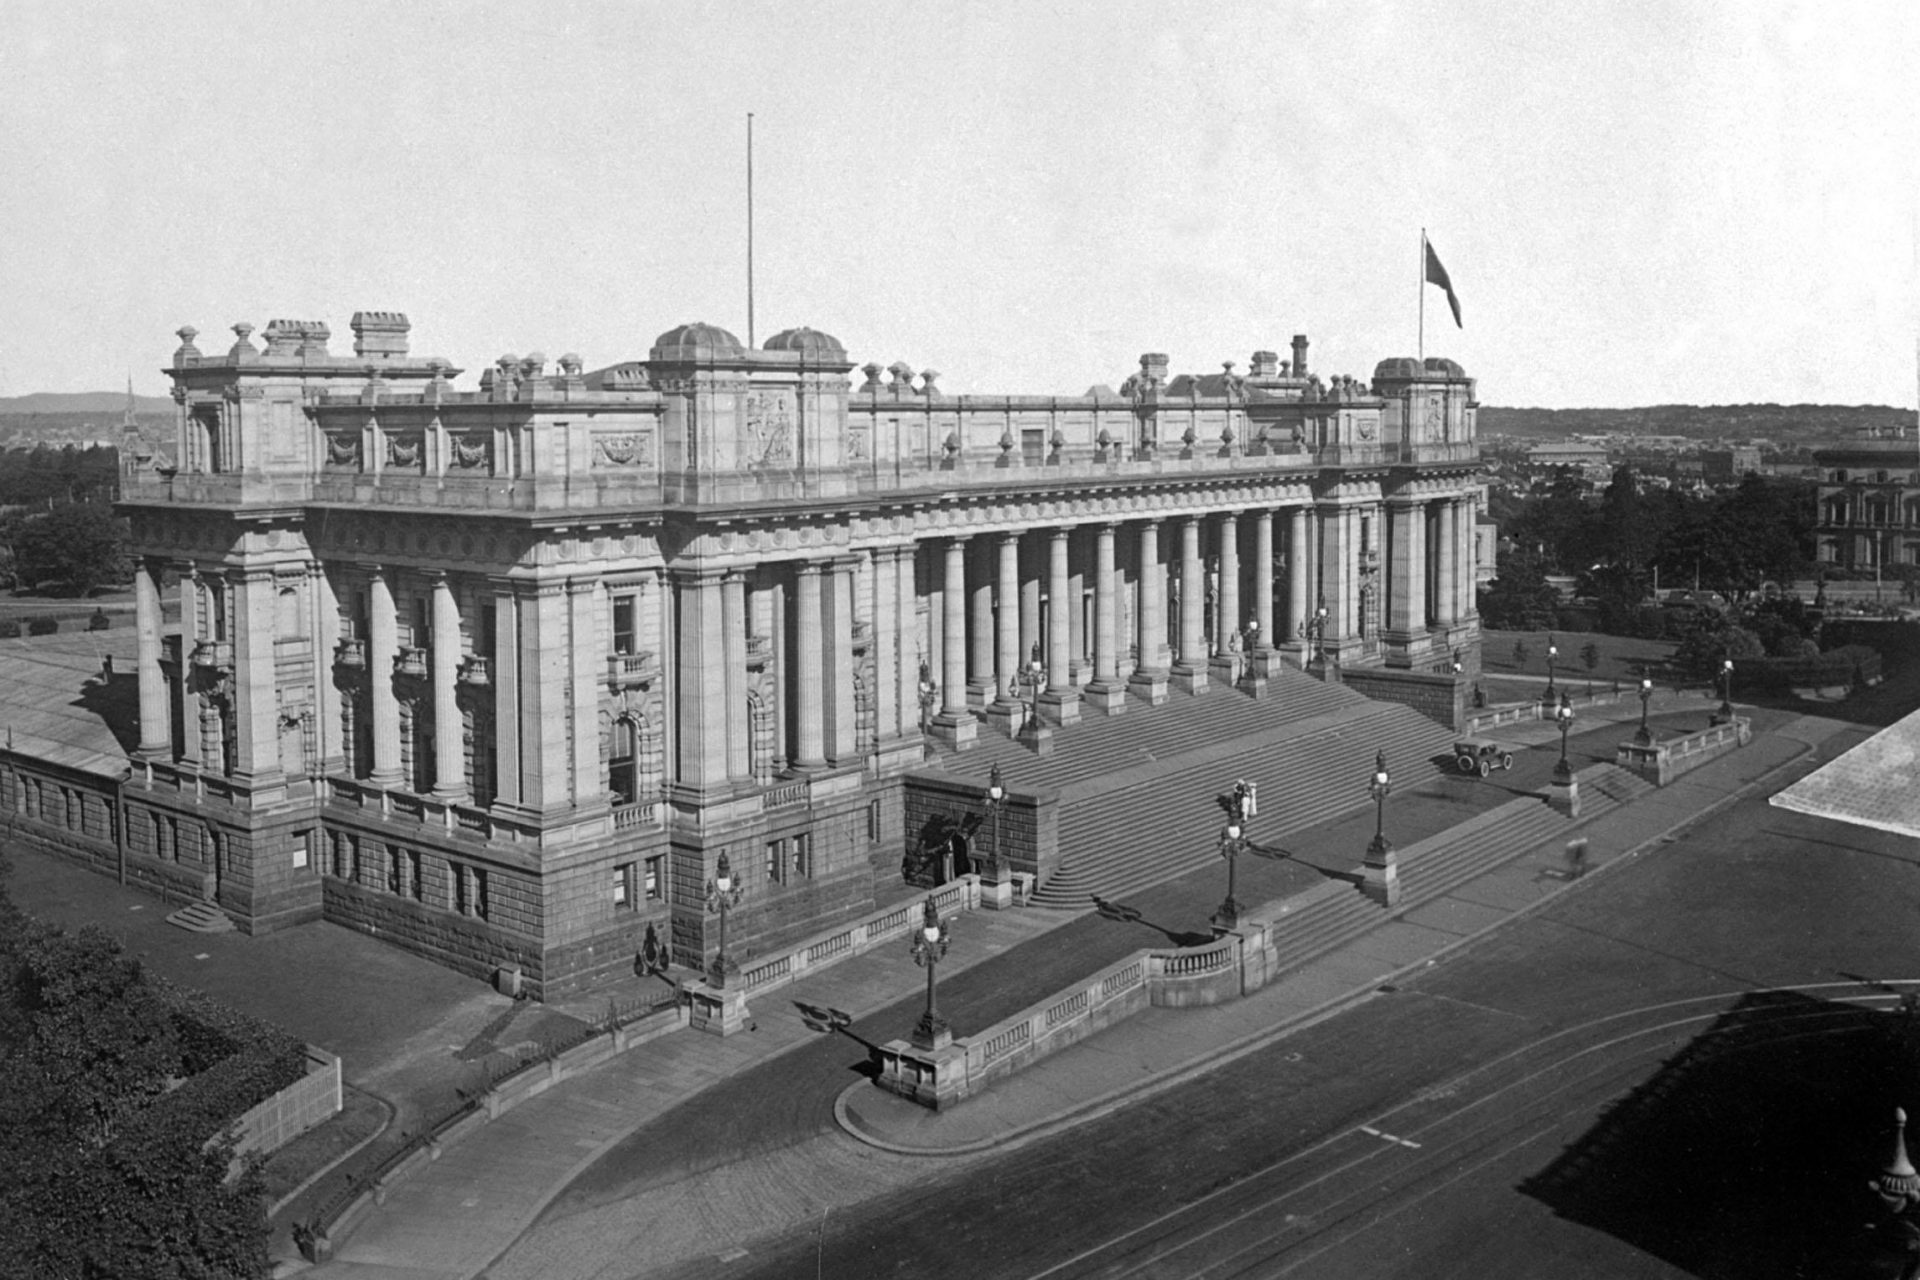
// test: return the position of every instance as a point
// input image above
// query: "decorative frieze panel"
(624, 449)
(770, 428)
(342, 451)
(407, 451)
(470, 451)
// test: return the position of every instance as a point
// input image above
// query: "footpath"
(455, 1216)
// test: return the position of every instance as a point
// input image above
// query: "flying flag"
(1437, 274)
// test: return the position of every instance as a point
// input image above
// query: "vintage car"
(1477, 755)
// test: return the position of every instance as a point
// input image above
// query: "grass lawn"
(1616, 657)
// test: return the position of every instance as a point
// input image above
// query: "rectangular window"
(302, 849)
(623, 633)
(873, 822)
(396, 870)
(623, 885)
(422, 620)
(803, 855)
(656, 886)
(416, 888)
(774, 852)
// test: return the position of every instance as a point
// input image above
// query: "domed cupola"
(811, 341)
(696, 341)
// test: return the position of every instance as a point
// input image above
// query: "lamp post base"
(1381, 873)
(1227, 919)
(716, 1011)
(932, 1033)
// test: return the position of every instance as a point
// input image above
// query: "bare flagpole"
(750, 342)
(1423, 297)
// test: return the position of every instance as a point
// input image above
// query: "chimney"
(380, 334)
(1266, 364)
(1299, 355)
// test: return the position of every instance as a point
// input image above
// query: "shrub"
(9, 630)
(99, 621)
(42, 626)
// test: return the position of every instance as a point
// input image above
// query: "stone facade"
(1868, 513)
(500, 674)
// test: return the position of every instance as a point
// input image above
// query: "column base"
(979, 694)
(1006, 718)
(1189, 679)
(1149, 686)
(1109, 698)
(1267, 663)
(1225, 668)
(717, 1011)
(1062, 707)
(1254, 686)
(957, 732)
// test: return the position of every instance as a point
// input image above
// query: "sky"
(1678, 201)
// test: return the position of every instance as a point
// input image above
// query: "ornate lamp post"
(1240, 806)
(929, 947)
(1725, 714)
(929, 695)
(996, 801)
(1025, 685)
(722, 896)
(1563, 716)
(1316, 630)
(1553, 651)
(1645, 735)
(1382, 876)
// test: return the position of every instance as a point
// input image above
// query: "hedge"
(42, 626)
(1850, 665)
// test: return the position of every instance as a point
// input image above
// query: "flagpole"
(749, 229)
(1423, 297)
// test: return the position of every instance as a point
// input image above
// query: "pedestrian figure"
(1576, 858)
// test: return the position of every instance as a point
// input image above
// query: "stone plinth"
(721, 1011)
(1149, 686)
(1564, 796)
(933, 1078)
(957, 731)
(1382, 875)
(1060, 707)
(1107, 699)
(1190, 679)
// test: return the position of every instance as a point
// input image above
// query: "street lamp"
(1379, 787)
(1726, 690)
(929, 946)
(1240, 806)
(1026, 685)
(929, 694)
(1553, 651)
(1563, 715)
(996, 801)
(722, 896)
(1316, 630)
(1645, 736)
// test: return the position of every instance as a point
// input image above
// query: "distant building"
(1568, 454)
(1718, 466)
(1869, 503)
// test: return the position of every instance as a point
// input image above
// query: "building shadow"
(1748, 1154)
(115, 698)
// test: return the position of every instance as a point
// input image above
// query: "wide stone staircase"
(1138, 791)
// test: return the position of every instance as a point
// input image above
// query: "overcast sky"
(1639, 203)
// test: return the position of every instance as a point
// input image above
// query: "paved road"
(1596, 1090)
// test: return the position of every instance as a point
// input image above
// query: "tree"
(80, 544)
(1590, 656)
(1520, 598)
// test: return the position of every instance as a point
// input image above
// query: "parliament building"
(499, 674)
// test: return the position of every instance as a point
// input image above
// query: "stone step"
(201, 917)
(1337, 916)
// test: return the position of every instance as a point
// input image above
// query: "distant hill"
(95, 402)
(1782, 423)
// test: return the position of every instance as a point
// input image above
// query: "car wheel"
(1465, 763)
(1506, 761)
(1485, 768)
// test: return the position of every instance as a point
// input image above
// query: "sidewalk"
(461, 1212)
(1160, 1047)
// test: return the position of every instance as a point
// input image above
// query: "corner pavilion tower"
(500, 674)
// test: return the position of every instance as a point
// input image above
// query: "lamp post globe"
(1553, 652)
(1645, 735)
(1726, 690)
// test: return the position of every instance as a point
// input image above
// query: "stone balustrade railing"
(831, 947)
(1666, 759)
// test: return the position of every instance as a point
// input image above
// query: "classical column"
(982, 676)
(545, 669)
(325, 623)
(809, 684)
(1336, 578)
(1009, 658)
(587, 672)
(1300, 599)
(907, 610)
(1263, 580)
(383, 647)
(1230, 620)
(733, 648)
(1192, 662)
(1465, 521)
(256, 690)
(449, 762)
(1060, 607)
(189, 590)
(836, 623)
(777, 665)
(505, 680)
(1106, 691)
(886, 644)
(156, 729)
(1446, 557)
(1407, 568)
(1150, 664)
(953, 618)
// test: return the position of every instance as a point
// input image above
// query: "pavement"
(406, 1025)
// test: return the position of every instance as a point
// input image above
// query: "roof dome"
(699, 335)
(1398, 367)
(805, 339)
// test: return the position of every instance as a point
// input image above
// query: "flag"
(1437, 274)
